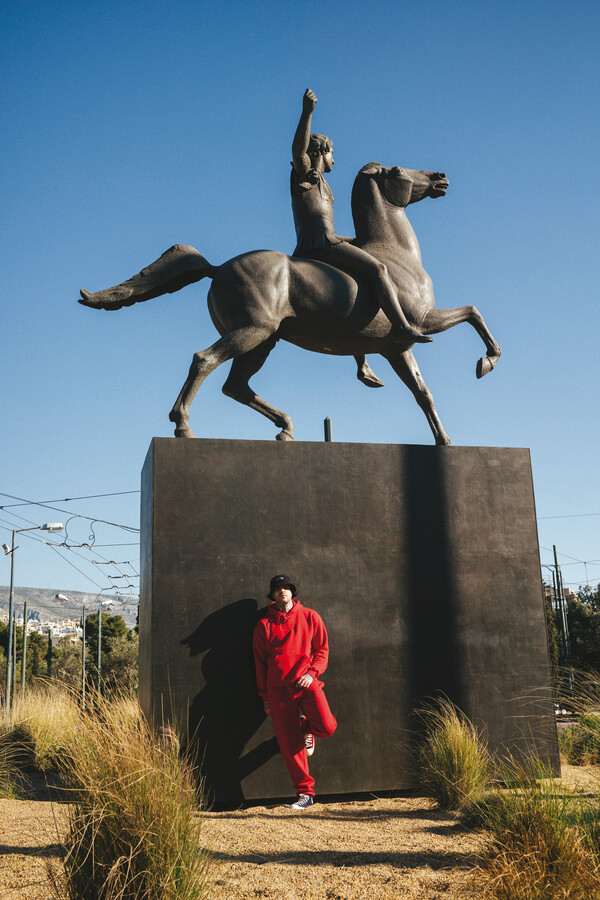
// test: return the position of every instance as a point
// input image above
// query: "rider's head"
(321, 146)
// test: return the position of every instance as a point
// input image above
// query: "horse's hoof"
(284, 436)
(484, 365)
(443, 441)
(184, 431)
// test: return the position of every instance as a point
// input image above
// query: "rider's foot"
(368, 376)
(401, 334)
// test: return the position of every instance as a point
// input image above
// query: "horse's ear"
(372, 168)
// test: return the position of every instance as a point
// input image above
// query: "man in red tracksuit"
(291, 652)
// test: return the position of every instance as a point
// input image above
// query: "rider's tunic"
(312, 205)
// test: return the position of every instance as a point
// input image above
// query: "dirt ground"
(335, 851)
(378, 848)
(342, 851)
(29, 831)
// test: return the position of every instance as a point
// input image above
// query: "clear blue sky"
(130, 126)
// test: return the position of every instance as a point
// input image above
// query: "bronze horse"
(264, 296)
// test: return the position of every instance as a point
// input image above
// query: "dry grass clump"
(544, 843)
(8, 767)
(44, 722)
(544, 840)
(134, 828)
(453, 763)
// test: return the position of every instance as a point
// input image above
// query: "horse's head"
(380, 194)
(403, 186)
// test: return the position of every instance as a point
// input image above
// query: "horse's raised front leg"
(237, 387)
(234, 343)
(405, 365)
(438, 320)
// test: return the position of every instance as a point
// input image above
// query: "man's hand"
(305, 681)
(309, 101)
(267, 709)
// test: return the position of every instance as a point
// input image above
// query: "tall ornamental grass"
(9, 771)
(44, 723)
(543, 838)
(134, 829)
(452, 761)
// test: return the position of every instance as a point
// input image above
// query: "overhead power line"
(64, 499)
(69, 512)
(572, 516)
(567, 556)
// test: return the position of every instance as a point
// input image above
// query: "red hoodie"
(288, 645)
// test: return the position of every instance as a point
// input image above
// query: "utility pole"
(83, 657)
(10, 628)
(562, 612)
(563, 623)
(49, 654)
(99, 657)
(14, 658)
(24, 654)
(10, 669)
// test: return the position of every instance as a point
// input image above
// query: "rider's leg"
(358, 260)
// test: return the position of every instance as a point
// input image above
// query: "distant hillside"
(44, 602)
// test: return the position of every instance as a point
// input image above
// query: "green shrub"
(580, 743)
(452, 763)
(134, 827)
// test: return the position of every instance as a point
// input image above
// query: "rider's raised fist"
(309, 101)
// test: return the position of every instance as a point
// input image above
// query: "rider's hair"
(318, 145)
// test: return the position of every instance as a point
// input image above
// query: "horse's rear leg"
(237, 387)
(234, 343)
(405, 365)
(438, 320)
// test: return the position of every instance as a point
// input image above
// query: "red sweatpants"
(286, 704)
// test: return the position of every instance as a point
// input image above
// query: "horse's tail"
(177, 267)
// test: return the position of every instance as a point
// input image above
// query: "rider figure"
(312, 205)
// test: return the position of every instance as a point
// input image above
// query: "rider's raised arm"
(301, 140)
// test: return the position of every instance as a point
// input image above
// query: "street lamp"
(49, 526)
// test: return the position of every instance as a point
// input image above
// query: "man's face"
(282, 596)
(328, 161)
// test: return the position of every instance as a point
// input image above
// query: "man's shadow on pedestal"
(228, 711)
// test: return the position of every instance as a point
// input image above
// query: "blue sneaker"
(303, 802)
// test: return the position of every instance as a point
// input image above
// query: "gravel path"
(342, 851)
(29, 832)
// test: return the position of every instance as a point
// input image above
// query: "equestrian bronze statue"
(336, 295)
